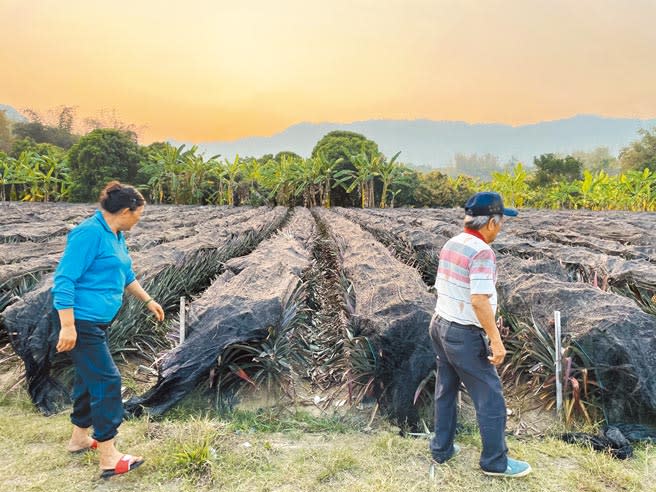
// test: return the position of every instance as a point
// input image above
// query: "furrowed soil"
(309, 442)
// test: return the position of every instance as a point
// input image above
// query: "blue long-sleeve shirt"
(93, 272)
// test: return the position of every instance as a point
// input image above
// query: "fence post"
(559, 365)
(183, 331)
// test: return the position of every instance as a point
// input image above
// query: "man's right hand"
(498, 353)
(67, 338)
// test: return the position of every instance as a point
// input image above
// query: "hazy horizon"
(213, 70)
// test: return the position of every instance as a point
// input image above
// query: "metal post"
(559, 365)
(182, 320)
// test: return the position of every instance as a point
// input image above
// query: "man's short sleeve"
(482, 273)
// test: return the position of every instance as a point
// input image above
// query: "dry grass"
(195, 452)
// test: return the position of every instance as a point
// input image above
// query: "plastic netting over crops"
(597, 269)
(167, 270)
(339, 301)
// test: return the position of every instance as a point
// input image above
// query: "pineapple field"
(332, 306)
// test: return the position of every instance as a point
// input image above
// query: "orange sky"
(215, 70)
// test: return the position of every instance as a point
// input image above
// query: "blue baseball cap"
(487, 203)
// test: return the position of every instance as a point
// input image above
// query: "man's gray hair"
(478, 222)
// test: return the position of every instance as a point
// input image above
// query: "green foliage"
(474, 165)
(403, 194)
(60, 133)
(193, 459)
(35, 176)
(531, 366)
(551, 169)
(599, 159)
(360, 177)
(278, 178)
(29, 145)
(391, 174)
(179, 176)
(341, 146)
(268, 362)
(101, 156)
(439, 190)
(513, 186)
(6, 138)
(640, 154)
(632, 190)
(285, 419)
(345, 169)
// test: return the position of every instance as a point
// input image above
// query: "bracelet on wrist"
(148, 301)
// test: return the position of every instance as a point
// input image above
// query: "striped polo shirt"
(467, 266)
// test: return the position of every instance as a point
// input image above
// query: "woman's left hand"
(156, 309)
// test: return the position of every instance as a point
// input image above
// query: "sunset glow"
(204, 70)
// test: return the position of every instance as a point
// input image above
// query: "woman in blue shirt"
(89, 284)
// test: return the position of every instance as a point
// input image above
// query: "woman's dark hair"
(116, 196)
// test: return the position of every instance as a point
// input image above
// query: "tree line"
(49, 162)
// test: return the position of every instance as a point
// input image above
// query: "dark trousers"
(97, 388)
(462, 352)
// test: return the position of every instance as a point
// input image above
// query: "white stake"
(559, 384)
(182, 320)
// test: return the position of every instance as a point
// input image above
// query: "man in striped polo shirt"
(463, 324)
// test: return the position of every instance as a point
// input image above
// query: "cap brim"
(510, 212)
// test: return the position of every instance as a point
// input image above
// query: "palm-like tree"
(361, 178)
(163, 166)
(325, 178)
(279, 178)
(233, 171)
(390, 173)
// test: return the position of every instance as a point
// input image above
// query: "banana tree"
(164, 165)
(513, 186)
(564, 194)
(640, 187)
(233, 171)
(253, 176)
(217, 173)
(7, 166)
(325, 177)
(361, 178)
(390, 173)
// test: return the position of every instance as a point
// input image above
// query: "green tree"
(550, 169)
(341, 146)
(512, 186)
(360, 178)
(281, 179)
(29, 145)
(100, 156)
(60, 133)
(391, 174)
(233, 172)
(6, 137)
(404, 192)
(476, 166)
(327, 169)
(599, 159)
(286, 154)
(640, 154)
(436, 189)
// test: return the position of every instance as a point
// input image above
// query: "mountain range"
(12, 114)
(435, 143)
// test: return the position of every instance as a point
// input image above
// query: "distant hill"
(434, 143)
(12, 114)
